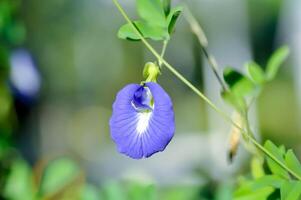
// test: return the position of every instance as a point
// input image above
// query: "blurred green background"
(61, 65)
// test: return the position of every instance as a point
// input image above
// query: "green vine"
(200, 94)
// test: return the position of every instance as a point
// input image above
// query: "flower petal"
(141, 134)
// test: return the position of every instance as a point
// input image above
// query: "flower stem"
(200, 94)
(165, 42)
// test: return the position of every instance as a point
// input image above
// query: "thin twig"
(198, 31)
(163, 52)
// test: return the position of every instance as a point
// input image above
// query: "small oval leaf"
(275, 62)
(146, 30)
(256, 73)
(239, 84)
(173, 17)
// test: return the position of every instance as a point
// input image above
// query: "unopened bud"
(151, 72)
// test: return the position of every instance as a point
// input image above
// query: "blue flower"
(142, 122)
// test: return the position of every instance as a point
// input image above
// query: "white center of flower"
(143, 121)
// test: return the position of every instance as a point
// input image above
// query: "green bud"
(151, 72)
(166, 6)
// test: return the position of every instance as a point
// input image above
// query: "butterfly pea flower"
(142, 122)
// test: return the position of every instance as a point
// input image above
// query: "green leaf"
(147, 31)
(234, 100)
(224, 192)
(239, 84)
(290, 190)
(173, 17)
(268, 180)
(138, 191)
(152, 12)
(114, 191)
(259, 188)
(19, 184)
(256, 73)
(274, 167)
(157, 21)
(275, 62)
(259, 194)
(257, 167)
(180, 193)
(127, 32)
(292, 162)
(57, 175)
(90, 192)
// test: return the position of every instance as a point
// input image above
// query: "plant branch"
(200, 94)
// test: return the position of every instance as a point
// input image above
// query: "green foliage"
(239, 84)
(239, 87)
(292, 162)
(152, 12)
(224, 192)
(15, 33)
(180, 193)
(251, 192)
(257, 168)
(12, 34)
(290, 190)
(127, 32)
(90, 192)
(288, 158)
(259, 188)
(57, 175)
(114, 191)
(157, 21)
(12, 30)
(137, 191)
(131, 190)
(262, 186)
(279, 154)
(19, 185)
(242, 86)
(237, 102)
(57, 182)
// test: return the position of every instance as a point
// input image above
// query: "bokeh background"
(61, 65)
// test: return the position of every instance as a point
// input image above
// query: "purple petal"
(141, 134)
